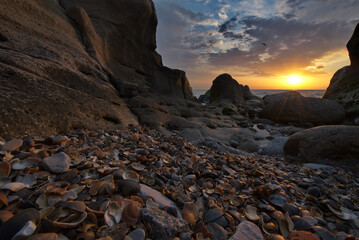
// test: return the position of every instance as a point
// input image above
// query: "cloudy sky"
(259, 42)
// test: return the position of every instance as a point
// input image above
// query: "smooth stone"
(57, 163)
(277, 200)
(12, 145)
(218, 231)
(137, 234)
(58, 139)
(159, 198)
(247, 231)
(319, 166)
(212, 214)
(128, 187)
(163, 225)
(275, 147)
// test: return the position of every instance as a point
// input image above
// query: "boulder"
(344, 86)
(332, 145)
(275, 147)
(291, 106)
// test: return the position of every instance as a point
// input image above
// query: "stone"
(291, 106)
(159, 198)
(333, 145)
(324, 233)
(300, 224)
(163, 225)
(292, 209)
(344, 86)
(275, 147)
(302, 235)
(212, 214)
(247, 231)
(248, 145)
(57, 163)
(12, 145)
(137, 234)
(218, 231)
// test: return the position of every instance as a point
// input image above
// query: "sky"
(261, 43)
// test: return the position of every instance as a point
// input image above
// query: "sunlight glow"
(294, 79)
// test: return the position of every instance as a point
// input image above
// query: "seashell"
(14, 186)
(130, 214)
(74, 205)
(113, 214)
(27, 163)
(107, 170)
(151, 204)
(201, 228)
(5, 169)
(5, 216)
(44, 236)
(277, 200)
(95, 186)
(41, 201)
(46, 211)
(3, 200)
(138, 234)
(277, 215)
(9, 229)
(302, 235)
(247, 230)
(251, 213)
(27, 230)
(275, 237)
(286, 225)
(74, 221)
(138, 200)
(189, 216)
(131, 175)
(137, 166)
(148, 179)
(27, 179)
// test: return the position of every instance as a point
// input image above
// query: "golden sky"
(261, 43)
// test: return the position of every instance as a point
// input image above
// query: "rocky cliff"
(71, 64)
(344, 86)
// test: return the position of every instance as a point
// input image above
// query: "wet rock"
(57, 163)
(163, 226)
(12, 145)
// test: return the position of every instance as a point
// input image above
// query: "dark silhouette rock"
(225, 88)
(293, 107)
(333, 145)
(344, 86)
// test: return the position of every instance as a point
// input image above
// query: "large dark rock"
(333, 145)
(291, 106)
(65, 64)
(344, 86)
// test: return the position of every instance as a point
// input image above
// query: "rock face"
(344, 86)
(66, 64)
(293, 107)
(333, 145)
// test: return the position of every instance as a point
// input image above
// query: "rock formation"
(65, 64)
(293, 107)
(334, 145)
(225, 89)
(344, 86)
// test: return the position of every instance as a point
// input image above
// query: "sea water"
(262, 93)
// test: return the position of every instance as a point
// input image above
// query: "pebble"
(12, 145)
(212, 214)
(302, 235)
(57, 163)
(128, 187)
(292, 209)
(218, 231)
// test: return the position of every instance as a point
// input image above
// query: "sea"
(262, 93)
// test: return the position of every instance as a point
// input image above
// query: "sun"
(294, 79)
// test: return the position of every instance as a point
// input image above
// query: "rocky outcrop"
(333, 145)
(344, 86)
(225, 89)
(293, 107)
(66, 64)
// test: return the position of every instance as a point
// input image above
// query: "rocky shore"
(136, 183)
